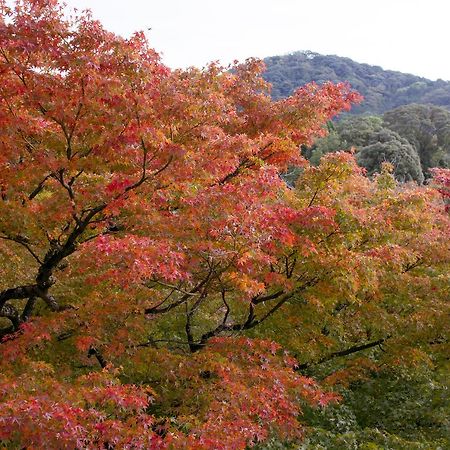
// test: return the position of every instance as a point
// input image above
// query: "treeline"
(413, 138)
(383, 90)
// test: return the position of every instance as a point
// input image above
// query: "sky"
(411, 36)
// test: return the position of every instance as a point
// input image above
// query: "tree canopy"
(413, 138)
(160, 284)
(382, 89)
(427, 128)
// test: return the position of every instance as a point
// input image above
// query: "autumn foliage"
(158, 276)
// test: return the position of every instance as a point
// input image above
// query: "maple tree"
(442, 181)
(145, 229)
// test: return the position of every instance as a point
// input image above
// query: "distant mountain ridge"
(382, 89)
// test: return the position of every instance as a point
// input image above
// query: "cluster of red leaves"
(256, 394)
(441, 178)
(260, 388)
(95, 411)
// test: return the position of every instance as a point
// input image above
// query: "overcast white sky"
(407, 35)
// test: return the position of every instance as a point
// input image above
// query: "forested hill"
(382, 89)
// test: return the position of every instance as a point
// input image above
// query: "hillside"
(382, 89)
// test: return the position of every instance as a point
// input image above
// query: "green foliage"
(382, 89)
(327, 144)
(366, 440)
(392, 409)
(358, 131)
(427, 128)
(413, 138)
(374, 144)
(388, 146)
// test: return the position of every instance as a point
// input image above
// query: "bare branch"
(252, 320)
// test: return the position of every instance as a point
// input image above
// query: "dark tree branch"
(227, 308)
(17, 293)
(236, 172)
(193, 346)
(93, 351)
(321, 187)
(50, 300)
(66, 335)
(346, 352)
(186, 296)
(252, 321)
(28, 310)
(287, 296)
(265, 298)
(413, 265)
(164, 300)
(70, 134)
(152, 342)
(24, 243)
(144, 177)
(10, 312)
(39, 187)
(67, 186)
(244, 164)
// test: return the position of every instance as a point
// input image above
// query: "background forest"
(403, 120)
(383, 90)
